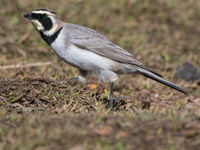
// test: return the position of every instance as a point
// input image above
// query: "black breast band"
(50, 39)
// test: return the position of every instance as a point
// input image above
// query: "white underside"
(86, 60)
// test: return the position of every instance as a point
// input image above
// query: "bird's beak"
(28, 16)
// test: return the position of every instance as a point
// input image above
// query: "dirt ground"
(40, 109)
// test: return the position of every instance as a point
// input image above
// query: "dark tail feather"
(151, 71)
(155, 77)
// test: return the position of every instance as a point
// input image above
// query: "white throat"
(38, 25)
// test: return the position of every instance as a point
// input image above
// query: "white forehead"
(43, 12)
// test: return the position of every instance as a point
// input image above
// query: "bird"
(90, 51)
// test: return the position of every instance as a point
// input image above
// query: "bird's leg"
(121, 98)
(110, 105)
(82, 76)
(112, 99)
(74, 78)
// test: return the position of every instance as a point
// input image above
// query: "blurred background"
(159, 33)
(163, 34)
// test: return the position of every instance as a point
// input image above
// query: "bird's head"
(44, 20)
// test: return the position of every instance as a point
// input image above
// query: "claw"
(71, 79)
(111, 103)
(121, 98)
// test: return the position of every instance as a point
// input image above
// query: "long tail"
(156, 77)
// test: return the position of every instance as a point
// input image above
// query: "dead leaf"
(107, 130)
(79, 147)
(93, 86)
(121, 134)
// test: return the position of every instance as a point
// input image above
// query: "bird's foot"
(113, 101)
(117, 99)
(72, 79)
(66, 80)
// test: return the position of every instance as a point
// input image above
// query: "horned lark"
(89, 51)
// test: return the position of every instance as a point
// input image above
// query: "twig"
(22, 65)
